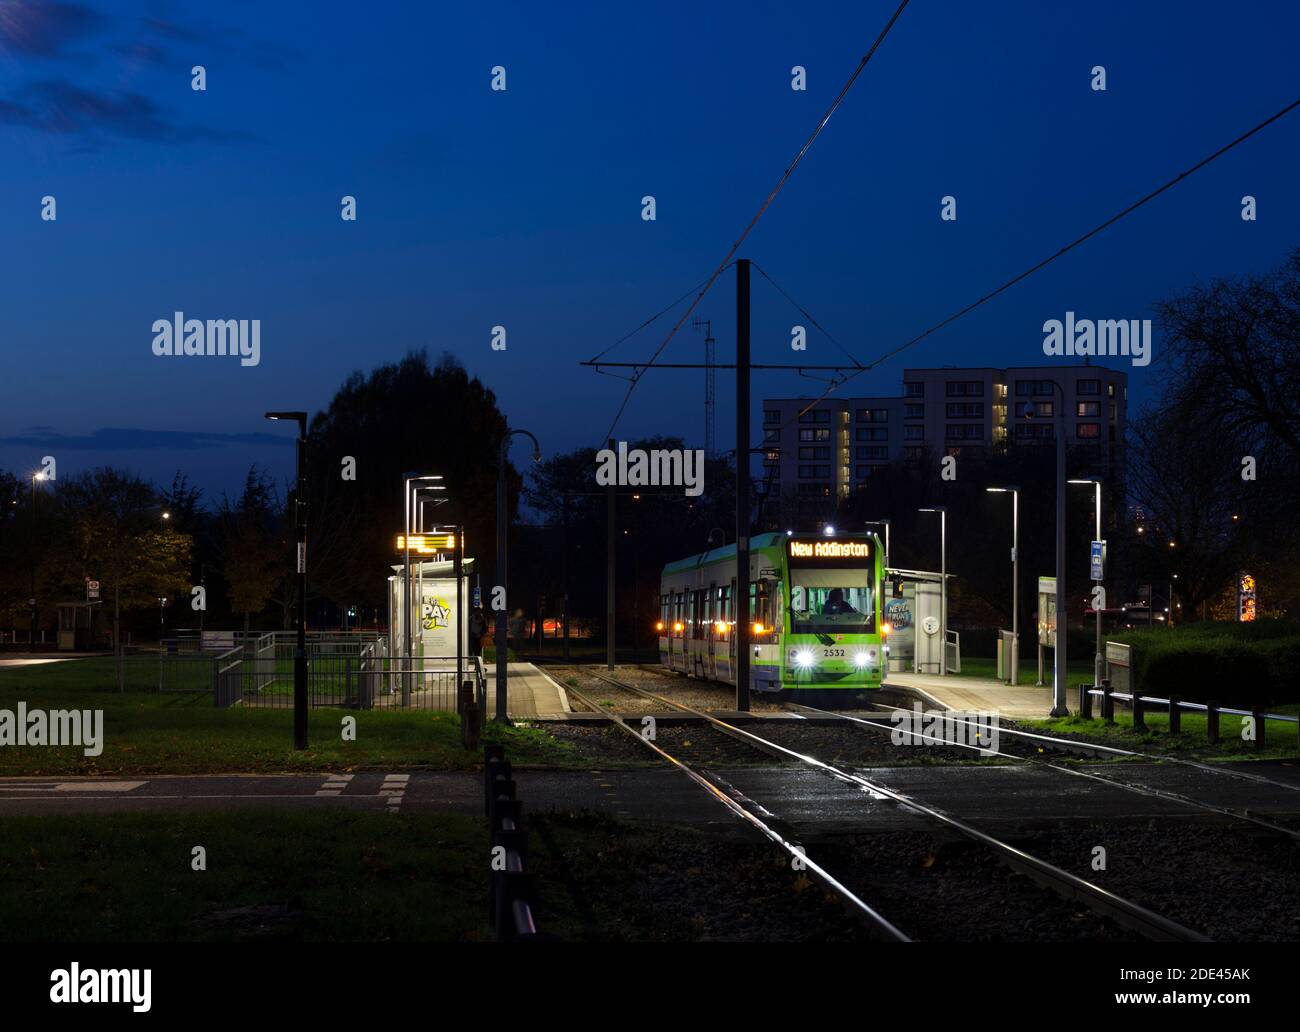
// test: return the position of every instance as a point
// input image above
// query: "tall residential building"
(831, 450)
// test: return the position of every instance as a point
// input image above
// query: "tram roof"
(728, 552)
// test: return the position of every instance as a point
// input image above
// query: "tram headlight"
(803, 659)
(862, 659)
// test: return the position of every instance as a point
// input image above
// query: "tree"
(252, 563)
(401, 417)
(1235, 345)
(115, 534)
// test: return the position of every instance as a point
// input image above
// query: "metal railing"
(342, 670)
(511, 888)
(1174, 706)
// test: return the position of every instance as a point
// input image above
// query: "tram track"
(1147, 791)
(1063, 883)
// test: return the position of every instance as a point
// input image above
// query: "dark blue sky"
(522, 208)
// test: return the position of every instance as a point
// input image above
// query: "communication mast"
(709, 406)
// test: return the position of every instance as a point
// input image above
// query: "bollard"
(1139, 713)
(468, 716)
(1175, 716)
(1107, 702)
(1085, 701)
(493, 765)
(1212, 722)
(1257, 711)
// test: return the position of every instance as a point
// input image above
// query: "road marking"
(74, 786)
(334, 785)
(393, 788)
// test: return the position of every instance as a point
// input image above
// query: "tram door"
(731, 638)
(710, 631)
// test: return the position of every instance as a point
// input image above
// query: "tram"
(815, 612)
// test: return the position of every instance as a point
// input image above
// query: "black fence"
(1139, 705)
(349, 671)
(511, 888)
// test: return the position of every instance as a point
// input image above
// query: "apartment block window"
(914, 433)
(815, 471)
(771, 435)
(1092, 430)
(814, 489)
(771, 416)
(1110, 389)
(1112, 412)
(1035, 431)
(772, 455)
(913, 452)
(873, 415)
(914, 390)
(965, 388)
(873, 433)
(816, 416)
(862, 472)
(964, 432)
(814, 453)
(1033, 388)
(1035, 409)
(874, 451)
(1087, 408)
(965, 409)
(1088, 388)
(913, 411)
(814, 435)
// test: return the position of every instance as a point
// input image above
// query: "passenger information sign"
(829, 551)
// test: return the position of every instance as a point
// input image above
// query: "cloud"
(234, 42)
(136, 439)
(40, 28)
(59, 106)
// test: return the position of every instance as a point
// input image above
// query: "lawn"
(1281, 738)
(349, 877)
(151, 732)
(1077, 671)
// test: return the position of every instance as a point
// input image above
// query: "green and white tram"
(815, 607)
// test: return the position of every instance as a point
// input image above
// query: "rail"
(1128, 913)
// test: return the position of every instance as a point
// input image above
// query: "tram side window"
(759, 604)
(694, 614)
(680, 615)
(665, 612)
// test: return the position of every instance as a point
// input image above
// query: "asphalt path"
(801, 797)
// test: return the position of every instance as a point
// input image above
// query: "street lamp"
(1059, 706)
(502, 507)
(407, 495)
(943, 586)
(1015, 577)
(885, 524)
(300, 535)
(1098, 661)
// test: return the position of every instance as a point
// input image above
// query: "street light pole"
(300, 536)
(1098, 660)
(943, 587)
(885, 524)
(1014, 663)
(500, 633)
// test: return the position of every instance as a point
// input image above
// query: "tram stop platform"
(955, 692)
(530, 693)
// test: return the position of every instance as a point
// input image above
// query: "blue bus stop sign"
(1098, 561)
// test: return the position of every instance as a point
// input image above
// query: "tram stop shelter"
(437, 614)
(913, 608)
